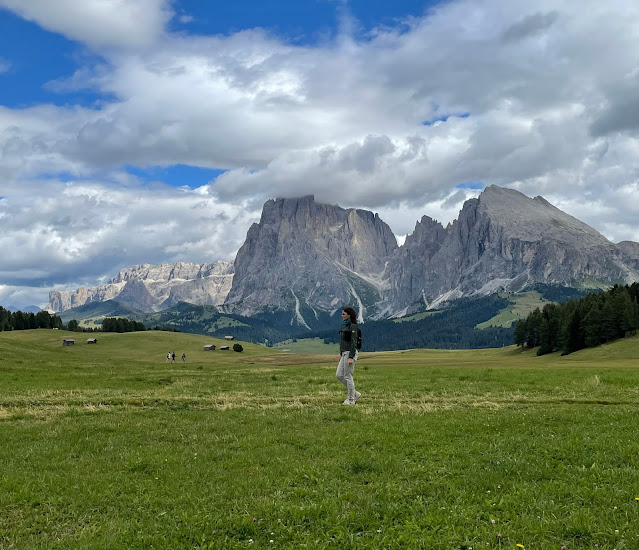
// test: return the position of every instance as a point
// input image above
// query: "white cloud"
(82, 230)
(98, 23)
(23, 296)
(539, 97)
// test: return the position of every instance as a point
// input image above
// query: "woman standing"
(348, 354)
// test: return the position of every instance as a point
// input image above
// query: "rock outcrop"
(503, 240)
(155, 287)
(306, 257)
(629, 251)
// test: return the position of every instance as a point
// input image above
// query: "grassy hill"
(91, 314)
(519, 307)
(150, 346)
(186, 318)
(108, 446)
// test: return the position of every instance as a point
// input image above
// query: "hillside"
(42, 348)
(26, 346)
(91, 314)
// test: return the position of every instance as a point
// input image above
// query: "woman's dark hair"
(351, 312)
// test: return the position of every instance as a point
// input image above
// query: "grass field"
(307, 346)
(524, 303)
(108, 446)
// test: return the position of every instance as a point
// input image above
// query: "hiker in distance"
(348, 354)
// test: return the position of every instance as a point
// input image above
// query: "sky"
(153, 131)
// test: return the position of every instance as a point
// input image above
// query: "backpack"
(358, 343)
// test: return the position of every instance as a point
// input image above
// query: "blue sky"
(39, 57)
(305, 22)
(153, 131)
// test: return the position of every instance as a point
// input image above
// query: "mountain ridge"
(153, 287)
(306, 259)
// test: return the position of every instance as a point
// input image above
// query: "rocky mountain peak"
(427, 231)
(308, 259)
(534, 219)
(153, 287)
(305, 255)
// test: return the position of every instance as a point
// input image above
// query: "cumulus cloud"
(529, 26)
(102, 24)
(621, 110)
(84, 230)
(539, 97)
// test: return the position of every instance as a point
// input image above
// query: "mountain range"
(154, 287)
(304, 260)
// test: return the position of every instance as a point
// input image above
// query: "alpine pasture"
(109, 446)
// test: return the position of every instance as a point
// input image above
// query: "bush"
(238, 347)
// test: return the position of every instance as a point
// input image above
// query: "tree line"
(19, 320)
(121, 324)
(451, 328)
(577, 324)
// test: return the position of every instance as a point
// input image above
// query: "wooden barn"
(92, 341)
(209, 347)
(68, 342)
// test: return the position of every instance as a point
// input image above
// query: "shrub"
(238, 347)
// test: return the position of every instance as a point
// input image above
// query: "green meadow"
(109, 446)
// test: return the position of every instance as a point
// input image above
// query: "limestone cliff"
(154, 287)
(503, 240)
(307, 257)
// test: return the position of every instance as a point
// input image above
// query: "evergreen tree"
(592, 326)
(5, 319)
(43, 319)
(607, 321)
(521, 332)
(573, 337)
(549, 329)
(534, 328)
(19, 321)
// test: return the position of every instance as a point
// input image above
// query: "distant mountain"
(154, 287)
(306, 257)
(310, 259)
(504, 240)
(96, 311)
(304, 260)
(26, 309)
